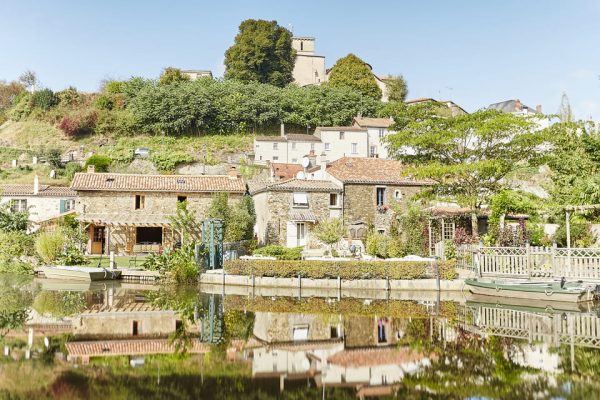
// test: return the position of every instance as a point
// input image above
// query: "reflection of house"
(371, 186)
(128, 213)
(287, 210)
(43, 202)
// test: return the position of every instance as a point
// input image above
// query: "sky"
(472, 52)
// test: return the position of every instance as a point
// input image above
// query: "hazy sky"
(472, 52)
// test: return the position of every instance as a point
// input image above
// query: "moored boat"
(576, 291)
(77, 273)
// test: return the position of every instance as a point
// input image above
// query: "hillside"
(24, 139)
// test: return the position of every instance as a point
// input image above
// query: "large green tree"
(262, 52)
(467, 157)
(397, 89)
(352, 72)
(172, 75)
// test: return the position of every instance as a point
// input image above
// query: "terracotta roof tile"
(341, 128)
(371, 171)
(293, 137)
(129, 347)
(372, 357)
(45, 190)
(158, 183)
(372, 122)
(286, 171)
(290, 185)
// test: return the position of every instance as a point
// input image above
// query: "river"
(62, 340)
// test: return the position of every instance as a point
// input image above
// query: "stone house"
(43, 202)
(286, 211)
(377, 131)
(309, 68)
(372, 188)
(129, 213)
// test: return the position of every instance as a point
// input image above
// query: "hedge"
(343, 269)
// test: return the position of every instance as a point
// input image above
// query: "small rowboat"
(80, 273)
(544, 290)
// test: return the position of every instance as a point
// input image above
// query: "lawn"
(122, 261)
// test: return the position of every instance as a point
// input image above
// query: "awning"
(129, 219)
(300, 198)
(302, 216)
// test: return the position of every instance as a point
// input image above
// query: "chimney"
(282, 130)
(91, 169)
(233, 173)
(312, 157)
(323, 165)
(518, 105)
(538, 109)
(36, 185)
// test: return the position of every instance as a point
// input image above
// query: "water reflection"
(124, 340)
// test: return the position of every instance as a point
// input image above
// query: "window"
(18, 205)
(381, 132)
(333, 199)
(66, 205)
(373, 151)
(300, 333)
(148, 235)
(300, 200)
(312, 146)
(98, 234)
(381, 231)
(448, 230)
(342, 134)
(135, 328)
(293, 145)
(294, 161)
(327, 146)
(380, 196)
(354, 148)
(275, 146)
(333, 332)
(181, 199)
(301, 46)
(398, 195)
(275, 158)
(139, 201)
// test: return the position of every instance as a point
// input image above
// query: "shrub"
(343, 269)
(71, 169)
(101, 163)
(50, 245)
(69, 97)
(581, 234)
(78, 124)
(177, 265)
(14, 248)
(44, 99)
(168, 161)
(279, 252)
(379, 245)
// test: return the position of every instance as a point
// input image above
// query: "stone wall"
(277, 327)
(360, 204)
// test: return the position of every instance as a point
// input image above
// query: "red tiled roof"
(371, 171)
(372, 122)
(44, 190)
(372, 357)
(290, 185)
(158, 183)
(129, 347)
(286, 171)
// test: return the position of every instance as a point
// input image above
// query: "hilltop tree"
(172, 75)
(8, 92)
(352, 72)
(29, 80)
(397, 88)
(466, 157)
(564, 111)
(262, 52)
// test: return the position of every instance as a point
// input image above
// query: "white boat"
(77, 273)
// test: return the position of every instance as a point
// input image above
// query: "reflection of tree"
(14, 302)
(59, 304)
(586, 363)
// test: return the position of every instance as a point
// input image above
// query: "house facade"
(377, 131)
(129, 213)
(43, 202)
(373, 188)
(285, 148)
(342, 141)
(287, 211)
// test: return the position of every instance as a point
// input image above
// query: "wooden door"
(97, 237)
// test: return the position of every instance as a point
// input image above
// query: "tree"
(8, 93)
(262, 52)
(352, 72)
(466, 157)
(100, 163)
(172, 75)
(13, 221)
(397, 88)
(564, 111)
(329, 231)
(29, 80)
(185, 222)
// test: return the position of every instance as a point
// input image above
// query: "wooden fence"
(530, 261)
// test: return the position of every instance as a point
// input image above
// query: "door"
(97, 239)
(301, 234)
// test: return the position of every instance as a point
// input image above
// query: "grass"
(122, 261)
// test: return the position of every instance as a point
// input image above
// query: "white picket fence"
(531, 261)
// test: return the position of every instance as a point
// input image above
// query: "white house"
(343, 141)
(377, 130)
(44, 202)
(288, 148)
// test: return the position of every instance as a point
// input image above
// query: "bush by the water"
(279, 252)
(15, 248)
(343, 269)
(178, 265)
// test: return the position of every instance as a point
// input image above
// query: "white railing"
(531, 261)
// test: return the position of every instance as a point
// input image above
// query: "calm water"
(134, 341)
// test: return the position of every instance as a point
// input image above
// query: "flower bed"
(342, 269)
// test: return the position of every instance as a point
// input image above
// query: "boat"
(575, 291)
(77, 273)
(531, 306)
